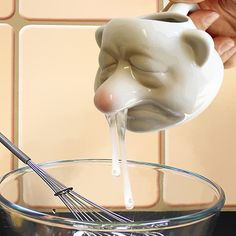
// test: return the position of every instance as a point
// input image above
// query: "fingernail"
(210, 18)
(225, 46)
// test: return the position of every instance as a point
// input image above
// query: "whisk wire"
(86, 209)
(81, 207)
(112, 214)
(50, 181)
(61, 191)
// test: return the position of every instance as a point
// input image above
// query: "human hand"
(218, 18)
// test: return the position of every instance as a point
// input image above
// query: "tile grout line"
(17, 22)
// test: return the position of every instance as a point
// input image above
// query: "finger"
(232, 60)
(223, 44)
(226, 47)
(203, 19)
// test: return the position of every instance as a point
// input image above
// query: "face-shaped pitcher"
(160, 67)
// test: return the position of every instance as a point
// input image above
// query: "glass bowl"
(168, 201)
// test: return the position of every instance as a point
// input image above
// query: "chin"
(147, 118)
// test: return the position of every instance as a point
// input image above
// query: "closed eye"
(106, 60)
(147, 64)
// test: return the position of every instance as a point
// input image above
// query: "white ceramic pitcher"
(160, 67)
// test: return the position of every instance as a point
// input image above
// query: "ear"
(98, 35)
(201, 44)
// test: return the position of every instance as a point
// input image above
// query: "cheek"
(178, 95)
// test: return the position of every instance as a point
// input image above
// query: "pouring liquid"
(117, 124)
(111, 119)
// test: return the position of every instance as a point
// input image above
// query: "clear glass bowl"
(168, 201)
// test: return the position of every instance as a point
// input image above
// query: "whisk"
(82, 208)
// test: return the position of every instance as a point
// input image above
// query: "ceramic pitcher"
(160, 67)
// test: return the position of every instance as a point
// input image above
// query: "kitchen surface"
(48, 63)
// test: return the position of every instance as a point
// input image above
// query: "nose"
(121, 90)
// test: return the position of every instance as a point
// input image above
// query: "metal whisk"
(82, 208)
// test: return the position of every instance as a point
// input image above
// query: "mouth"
(148, 116)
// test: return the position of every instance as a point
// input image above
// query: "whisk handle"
(14, 149)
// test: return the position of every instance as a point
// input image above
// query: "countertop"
(226, 224)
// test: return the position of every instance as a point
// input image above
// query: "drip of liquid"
(111, 119)
(117, 123)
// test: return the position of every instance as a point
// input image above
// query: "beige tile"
(98, 185)
(207, 144)
(90, 9)
(6, 92)
(182, 191)
(57, 117)
(6, 8)
(10, 190)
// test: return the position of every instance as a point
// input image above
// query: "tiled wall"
(207, 144)
(84, 10)
(48, 61)
(6, 8)
(6, 90)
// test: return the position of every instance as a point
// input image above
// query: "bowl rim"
(137, 226)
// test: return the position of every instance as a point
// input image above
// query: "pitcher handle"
(181, 8)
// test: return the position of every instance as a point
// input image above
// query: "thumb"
(204, 18)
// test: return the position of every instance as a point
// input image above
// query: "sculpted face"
(155, 73)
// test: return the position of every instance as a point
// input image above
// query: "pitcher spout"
(119, 91)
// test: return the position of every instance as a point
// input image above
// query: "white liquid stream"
(117, 124)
